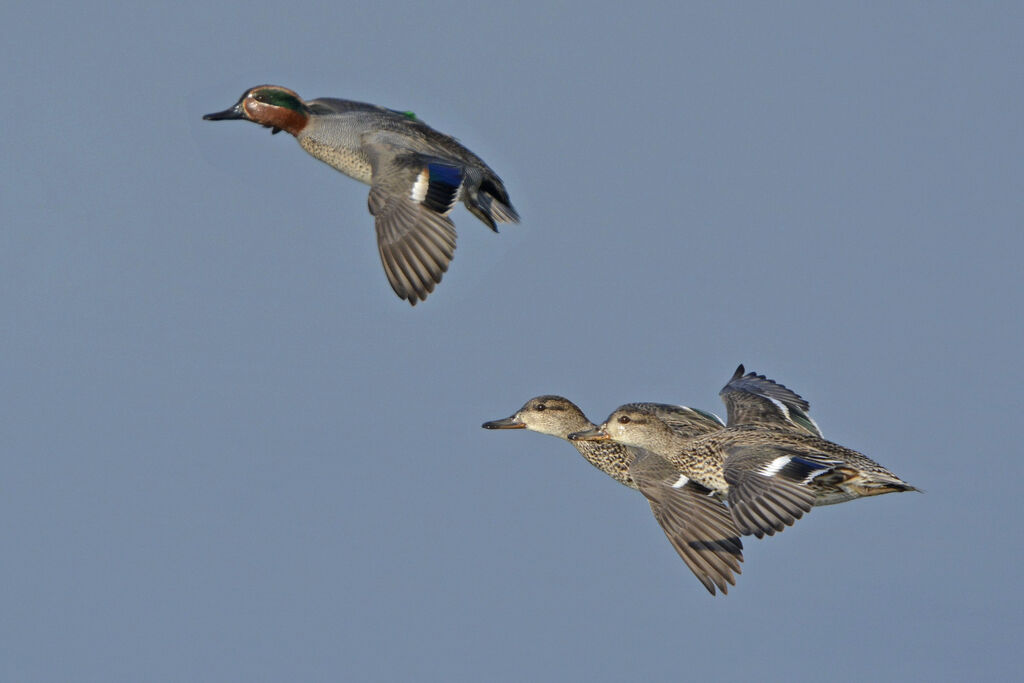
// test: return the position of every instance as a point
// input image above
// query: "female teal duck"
(416, 176)
(698, 525)
(770, 461)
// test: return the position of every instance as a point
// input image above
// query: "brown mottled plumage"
(697, 524)
(770, 462)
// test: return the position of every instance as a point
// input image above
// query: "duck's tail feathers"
(502, 212)
(490, 203)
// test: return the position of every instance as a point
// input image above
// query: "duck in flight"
(416, 176)
(770, 461)
(698, 525)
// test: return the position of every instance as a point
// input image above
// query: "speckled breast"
(352, 163)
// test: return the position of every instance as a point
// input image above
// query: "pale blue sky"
(229, 453)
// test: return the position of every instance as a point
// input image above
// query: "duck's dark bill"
(234, 112)
(507, 423)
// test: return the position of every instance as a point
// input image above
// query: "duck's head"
(629, 426)
(271, 106)
(552, 415)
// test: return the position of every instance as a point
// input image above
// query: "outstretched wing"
(752, 399)
(411, 196)
(769, 485)
(697, 524)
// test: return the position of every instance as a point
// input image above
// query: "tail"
(874, 483)
(490, 203)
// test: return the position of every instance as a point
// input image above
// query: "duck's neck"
(611, 458)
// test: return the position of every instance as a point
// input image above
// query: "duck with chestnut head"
(416, 175)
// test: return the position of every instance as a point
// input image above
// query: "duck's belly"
(352, 163)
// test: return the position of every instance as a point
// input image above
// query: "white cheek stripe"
(775, 465)
(681, 481)
(419, 188)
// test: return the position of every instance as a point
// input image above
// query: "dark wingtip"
(739, 372)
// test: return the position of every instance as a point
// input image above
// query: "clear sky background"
(229, 453)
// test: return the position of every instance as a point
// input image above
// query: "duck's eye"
(540, 407)
(624, 420)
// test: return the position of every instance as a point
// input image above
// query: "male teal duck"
(698, 525)
(416, 176)
(770, 461)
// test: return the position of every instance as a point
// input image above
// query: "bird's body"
(770, 461)
(559, 417)
(698, 525)
(416, 174)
